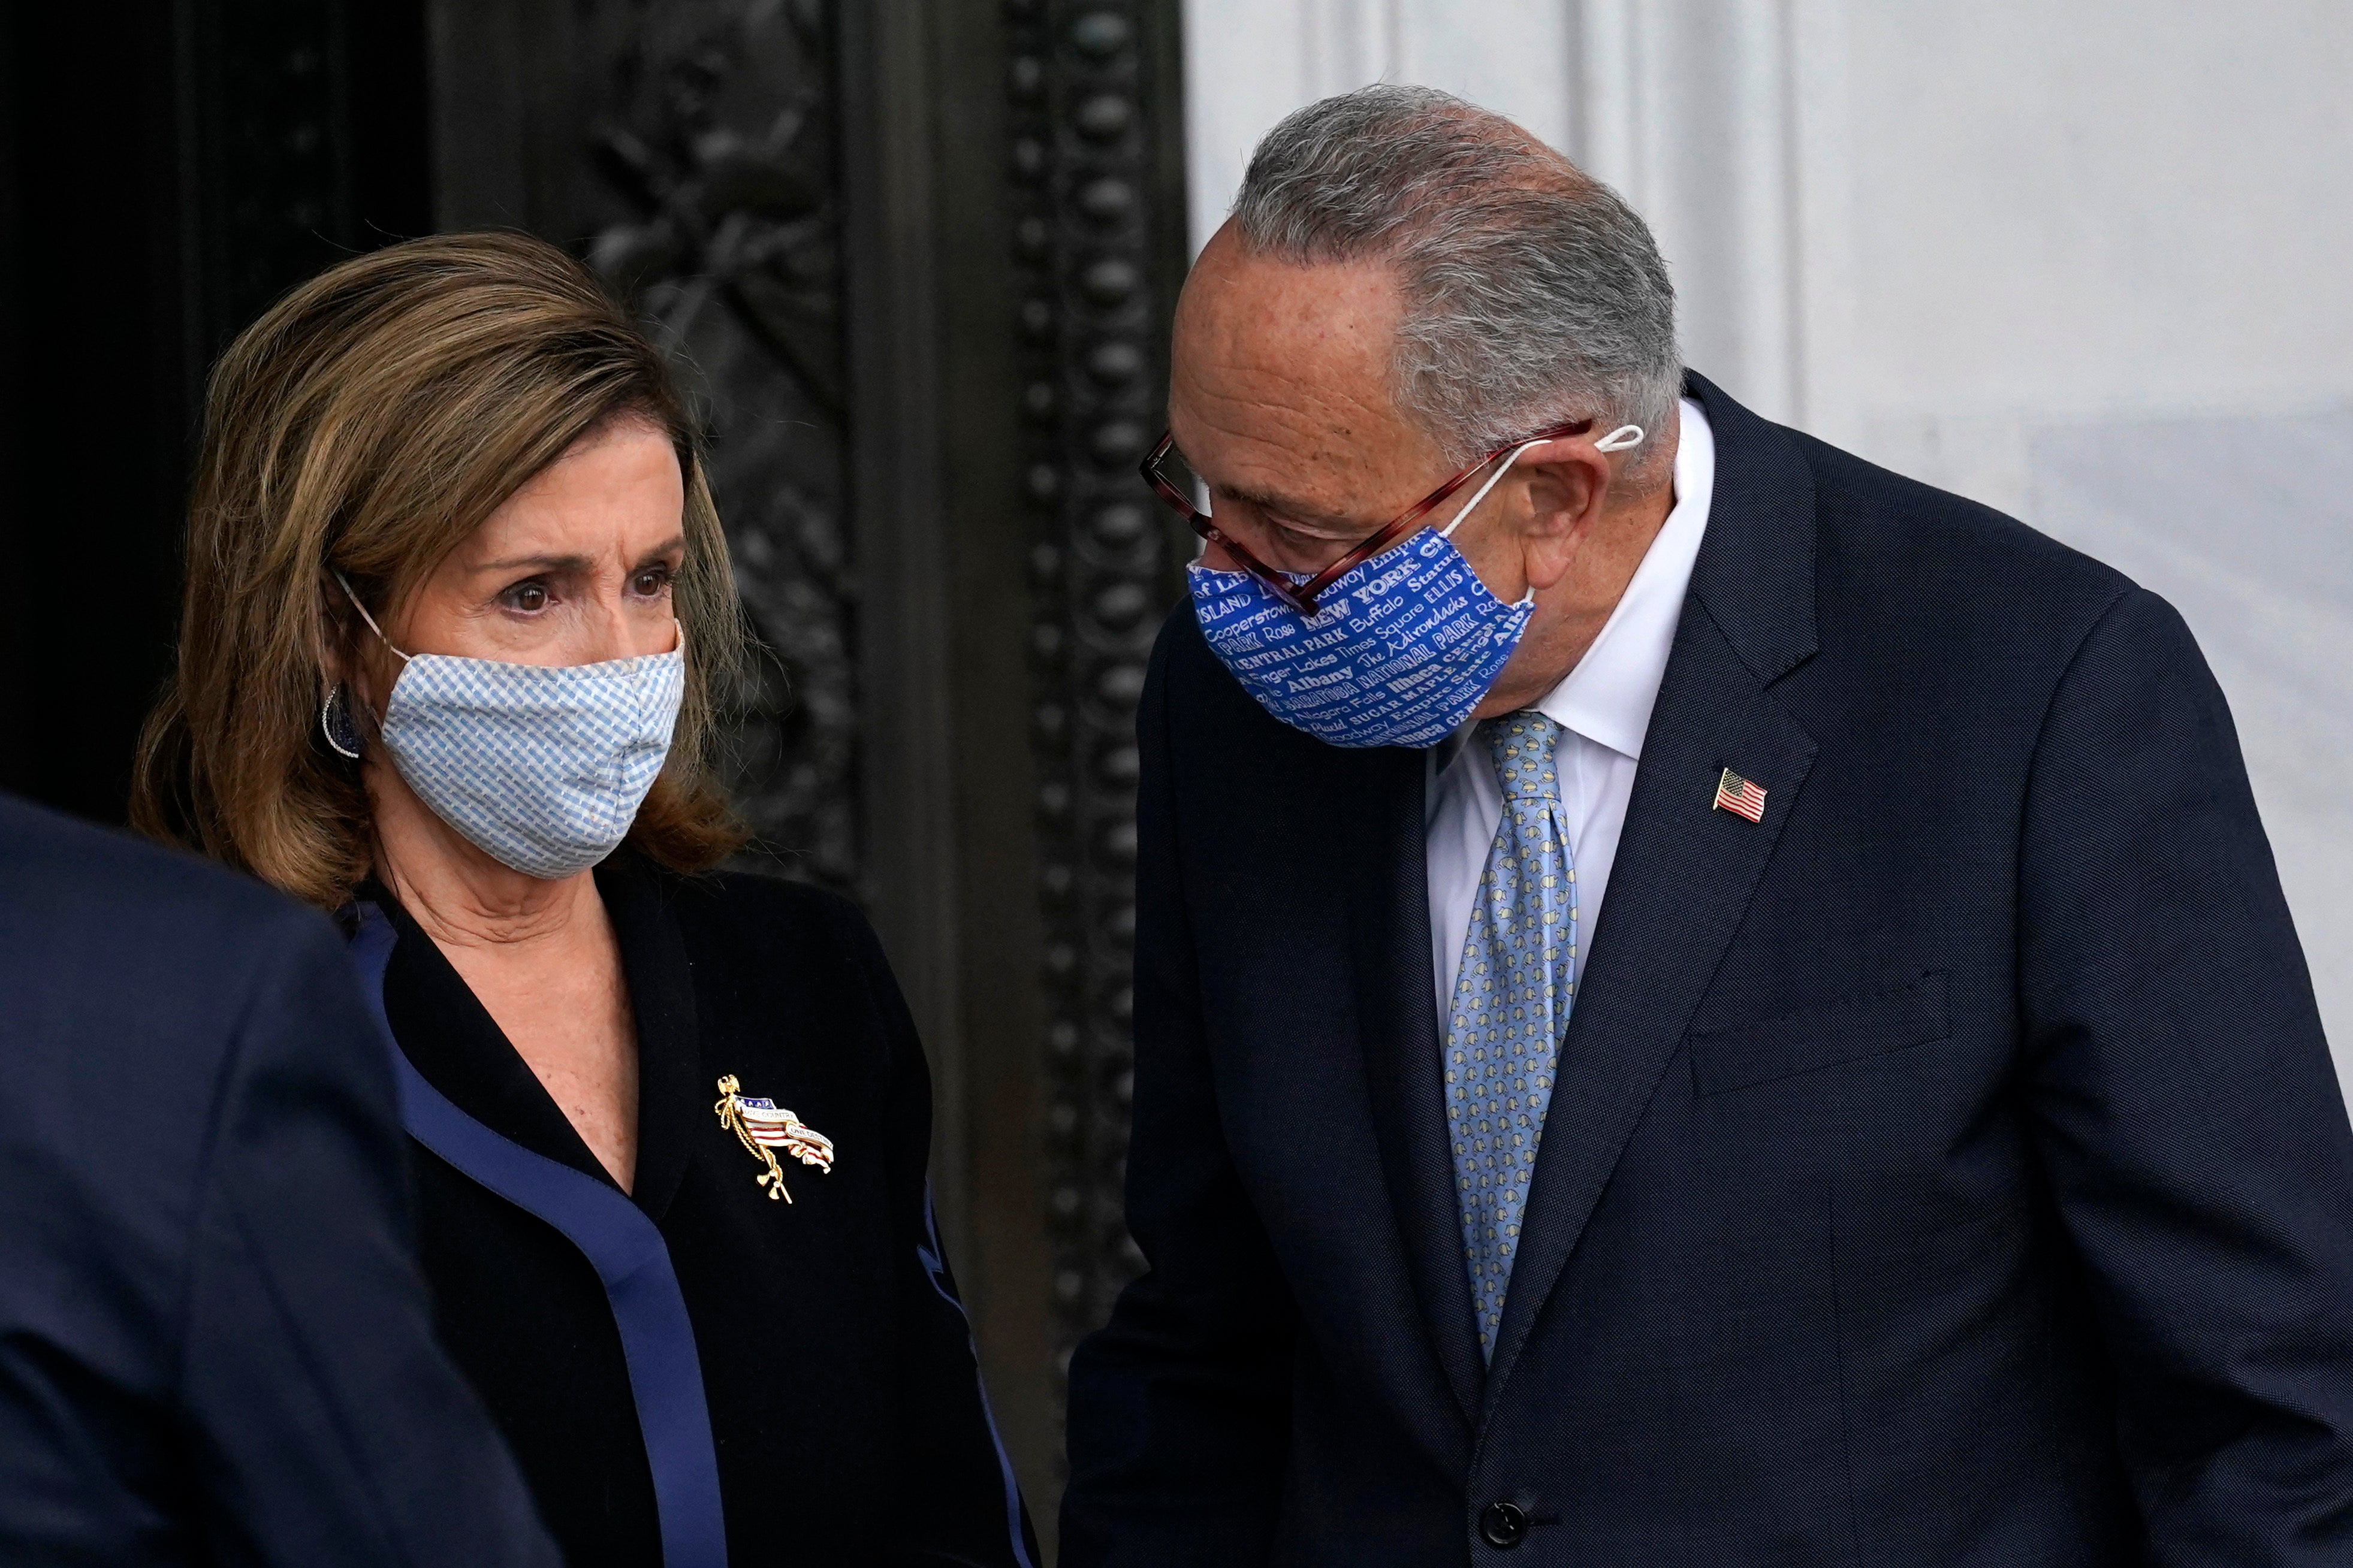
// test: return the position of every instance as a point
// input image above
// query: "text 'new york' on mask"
(542, 767)
(1400, 649)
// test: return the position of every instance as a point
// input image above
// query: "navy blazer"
(215, 1346)
(1946, 1169)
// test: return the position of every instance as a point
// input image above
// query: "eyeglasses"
(1302, 596)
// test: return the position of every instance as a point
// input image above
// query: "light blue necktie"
(1511, 1005)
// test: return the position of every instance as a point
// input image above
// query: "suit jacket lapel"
(1684, 870)
(1399, 1006)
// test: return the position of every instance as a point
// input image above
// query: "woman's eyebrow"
(674, 545)
(539, 563)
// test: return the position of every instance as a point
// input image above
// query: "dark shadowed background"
(915, 261)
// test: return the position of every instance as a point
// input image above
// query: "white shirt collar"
(1609, 696)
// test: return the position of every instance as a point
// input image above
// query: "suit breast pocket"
(1739, 1056)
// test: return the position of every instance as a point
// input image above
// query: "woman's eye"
(528, 597)
(649, 583)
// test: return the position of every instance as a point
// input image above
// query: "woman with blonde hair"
(457, 603)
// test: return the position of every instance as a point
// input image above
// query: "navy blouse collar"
(452, 1040)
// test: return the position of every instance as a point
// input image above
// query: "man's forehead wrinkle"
(1280, 440)
(1254, 443)
(1318, 352)
(1301, 484)
(1242, 379)
(1295, 509)
(1281, 392)
(1286, 396)
(1332, 376)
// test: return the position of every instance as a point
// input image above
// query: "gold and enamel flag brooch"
(763, 1127)
(1738, 797)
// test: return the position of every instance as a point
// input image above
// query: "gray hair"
(1533, 294)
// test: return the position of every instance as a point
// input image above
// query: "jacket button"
(1503, 1525)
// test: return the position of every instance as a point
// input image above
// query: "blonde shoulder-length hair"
(367, 424)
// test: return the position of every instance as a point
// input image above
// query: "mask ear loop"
(378, 631)
(1493, 479)
(345, 737)
(1623, 438)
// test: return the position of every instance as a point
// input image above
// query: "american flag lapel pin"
(763, 1127)
(1740, 797)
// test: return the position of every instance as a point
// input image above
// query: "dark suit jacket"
(1947, 1169)
(215, 1346)
(847, 1411)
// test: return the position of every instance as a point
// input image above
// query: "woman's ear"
(343, 651)
(336, 623)
(1567, 489)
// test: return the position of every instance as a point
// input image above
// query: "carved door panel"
(689, 152)
(1098, 233)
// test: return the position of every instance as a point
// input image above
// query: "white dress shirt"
(1604, 706)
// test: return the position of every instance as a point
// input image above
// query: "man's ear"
(1567, 489)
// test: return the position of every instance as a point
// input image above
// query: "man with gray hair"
(1933, 1157)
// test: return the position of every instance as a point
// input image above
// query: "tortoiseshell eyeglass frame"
(1302, 596)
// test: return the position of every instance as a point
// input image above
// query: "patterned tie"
(1511, 1004)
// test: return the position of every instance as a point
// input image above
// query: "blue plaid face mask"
(542, 767)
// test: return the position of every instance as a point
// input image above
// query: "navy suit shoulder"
(68, 881)
(1893, 552)
(212, 1341)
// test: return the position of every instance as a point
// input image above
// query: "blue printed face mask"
(1400, 649)
(542, 767)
